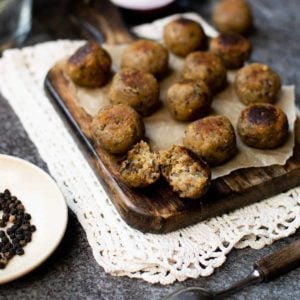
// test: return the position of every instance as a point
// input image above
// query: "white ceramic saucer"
(44, 201)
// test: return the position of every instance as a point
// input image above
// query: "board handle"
(100, 20)
(279, 262)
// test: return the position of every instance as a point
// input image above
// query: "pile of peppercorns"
(15, 228)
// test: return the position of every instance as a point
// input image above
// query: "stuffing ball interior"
(233, 49)
(89, 66)
(233, 16)
(183, 36)
(117, 128)
(207, 67)
(189, 100)
(186, 174)
(263, 126)
(147, 56)
(257, 83)
(212, 138)
(135, 88)
(140, 168)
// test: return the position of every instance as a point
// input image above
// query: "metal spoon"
(264, 270)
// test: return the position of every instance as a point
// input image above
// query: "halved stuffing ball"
(89, 66)
(183, 36)
(187, 175)
(257, 83)
(117, 128)
(140, 168)
(233, 49)
(263, 126)
(135, 88)
(212, 138)
(189, 100)
(232, 16)
(147, 56)
(207, 67)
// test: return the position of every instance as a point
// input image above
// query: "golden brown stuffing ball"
(183, 36)
(207, 67)
(232, 16)
(141, 167)
(135, 88)
(232, 48)
(89, 66)
(147, 56)
(188, 175)
(212, 138)
(189, 100)
(257, 83)
(263, 126)
(117, 128)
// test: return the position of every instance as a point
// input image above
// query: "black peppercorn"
(27, 216)
(22, 243)
(27, 239)
(4, 239)
(19, 234)
(19, 251)
(6, 192)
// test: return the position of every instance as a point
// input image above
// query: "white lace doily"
(119, 249)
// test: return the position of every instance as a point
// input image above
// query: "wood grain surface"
(279, 262)
(157, 209)
(277, 24)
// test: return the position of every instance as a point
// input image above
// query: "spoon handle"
(279, 262)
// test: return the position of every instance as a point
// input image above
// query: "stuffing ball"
(212, 138)
(233, 49)
(135, 88)
(187, 175)
(207, 67)
(232, 16)
(189, 100)
(257, 83)
(140, 168)
(183, 36)
(147, 56)
(117, 128)
(263, 126)
(89, 66)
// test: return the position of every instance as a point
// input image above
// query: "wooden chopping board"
(157, 209)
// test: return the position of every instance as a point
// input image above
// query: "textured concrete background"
(71, 272)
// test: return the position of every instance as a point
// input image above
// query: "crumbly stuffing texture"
(140, 168)
(183, 36)
(89, 66)
(187, 175)
(263, 126)
(232, 16)
(147, 56)
(207, 67)
(212, 138)
(257, 83)
(189, 100)
(232, 48)
(117, 128)
(135, 88)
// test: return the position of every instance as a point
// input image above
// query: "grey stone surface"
(71, 272)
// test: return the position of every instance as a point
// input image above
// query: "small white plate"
(44, 201)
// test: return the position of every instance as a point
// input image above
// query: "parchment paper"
(163, 131)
